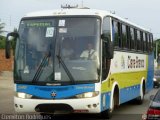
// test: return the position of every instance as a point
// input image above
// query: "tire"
(107, 114)
(140, 99)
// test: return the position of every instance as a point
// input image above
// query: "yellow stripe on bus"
(124, 80)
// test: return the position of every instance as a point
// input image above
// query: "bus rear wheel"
(140, 99)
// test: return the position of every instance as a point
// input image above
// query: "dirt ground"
(5, 64)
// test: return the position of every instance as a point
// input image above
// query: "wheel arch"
(143, 86)
(115, 90)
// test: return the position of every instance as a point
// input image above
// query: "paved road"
(6, 92)
(127, 111)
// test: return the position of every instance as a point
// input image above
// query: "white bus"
(54, 73)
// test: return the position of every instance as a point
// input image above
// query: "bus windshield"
(58, 50)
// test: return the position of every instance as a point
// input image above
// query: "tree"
(2, 42)
(158, 47)
(2, 38)
(13, 42)
(1, 27)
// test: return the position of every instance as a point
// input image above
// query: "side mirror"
(151, 97)
(10, 36)
(108, 51)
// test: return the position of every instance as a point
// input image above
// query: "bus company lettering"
(135, 63)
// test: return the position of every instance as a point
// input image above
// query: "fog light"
(94, 105)
(21, 106)
(89, 106)
(16, 105)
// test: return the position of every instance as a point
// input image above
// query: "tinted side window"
(128, 37)
(141, 36)
(151, 37)
(106, 28)
(124, 36)
(135, 38)
(106, 62)
(132, 38)
(116, 33)
(138, 40)
(147, 42)
(144, 42)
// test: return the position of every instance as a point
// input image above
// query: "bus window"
(115, 33)
(105, 62)
(150, 42)
(119, 34)
(124, 36)
(144, 42)
(128, 37)
(135, 38)
(147, 37)
(132, 38)
(138, 40)
(107, 28)
(141, 36)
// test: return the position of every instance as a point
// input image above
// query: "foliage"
(2, 42)
(2, 38)
(158, 47)
(13, 42)
(1, 27)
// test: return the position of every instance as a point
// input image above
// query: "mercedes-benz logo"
(53, 94)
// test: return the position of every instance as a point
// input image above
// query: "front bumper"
(86, 105)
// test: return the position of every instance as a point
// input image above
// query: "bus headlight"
(87, 94)
(23, 95)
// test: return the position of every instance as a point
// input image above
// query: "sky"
(142, 12)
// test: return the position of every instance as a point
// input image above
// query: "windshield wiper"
(66, 69)
(40, 68)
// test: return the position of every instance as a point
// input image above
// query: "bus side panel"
(127, 70)
(129, 93)
(105, 101)
(150, 74)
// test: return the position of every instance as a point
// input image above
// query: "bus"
(46, 82)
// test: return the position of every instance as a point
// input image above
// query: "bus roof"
(80, 12)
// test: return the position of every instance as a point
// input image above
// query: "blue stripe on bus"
(126, 94)
(105, 101)
(129, 93)
(61, 91)
(150, 74)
